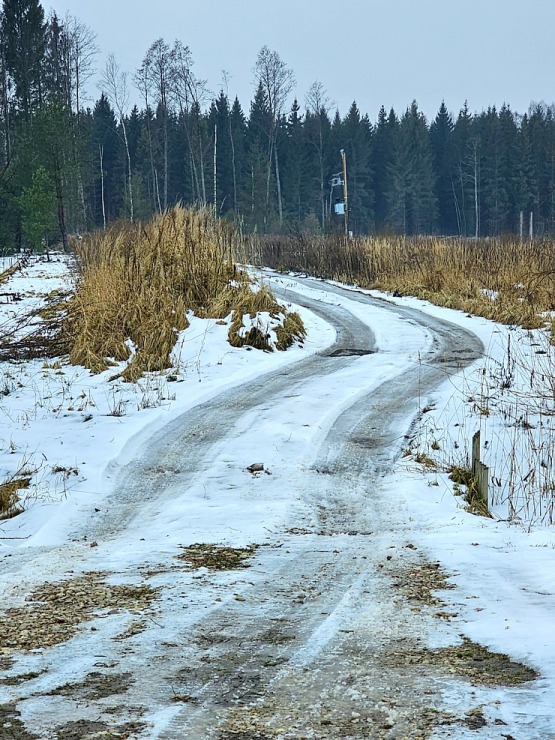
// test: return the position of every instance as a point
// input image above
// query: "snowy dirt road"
(324, 630)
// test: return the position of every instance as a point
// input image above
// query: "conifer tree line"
(68, 167)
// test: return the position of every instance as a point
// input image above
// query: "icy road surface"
(332, 629)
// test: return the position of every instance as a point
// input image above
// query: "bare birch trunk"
(101, 155)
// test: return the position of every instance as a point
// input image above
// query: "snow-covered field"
(69, 430)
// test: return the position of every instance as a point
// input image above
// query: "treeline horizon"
(67, 168)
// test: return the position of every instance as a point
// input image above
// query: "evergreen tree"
(5, 104)
(497, 174)
(259, 131)
(441, 138)
(527, 194)
(381, 159)
(109, 172)
(238, 134)
(219, 126)
(411, 198)
(24, 32)
(57, 63)
(292, 145)
(356, 135)
(38, 210)
(466, 173)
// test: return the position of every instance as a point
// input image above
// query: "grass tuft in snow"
(9, 495)
(139, 281)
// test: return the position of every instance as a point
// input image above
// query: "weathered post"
(475, 453)
(483, 481)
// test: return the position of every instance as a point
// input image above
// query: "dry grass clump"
(255, 315)
(9, 495)
(9, 272)
(139, 281)
(500, 279)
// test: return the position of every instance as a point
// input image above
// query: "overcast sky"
(373, 51)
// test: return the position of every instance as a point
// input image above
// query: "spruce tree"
(38, 210)
(24, 33)
(411, 195)
(356, 132)
(383, 142)
(108, 164)
(441, 138)
(259, 130)
(292, 168)
(238, 140)
(219, 131)
(466, 173)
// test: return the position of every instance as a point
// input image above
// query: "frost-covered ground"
(70, 430)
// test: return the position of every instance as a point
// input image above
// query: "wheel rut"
(310, 640)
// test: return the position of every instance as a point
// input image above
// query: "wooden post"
(345, 192)
(521, 226)
(480, 472)
(483, 483)
(475, 453)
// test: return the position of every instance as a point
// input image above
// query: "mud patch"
(6, 663)
(276, 637)
(135, 628)
(11, 727)
(474, 662)
(350, 352)
(96, 686)
(83, 729)
(474, 719)
(419, 582)
(56, 610)
(216, 557)
(246, 728)
(244, 735)
(378, 724)
(21, 678)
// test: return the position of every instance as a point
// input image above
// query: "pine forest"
(69, 165)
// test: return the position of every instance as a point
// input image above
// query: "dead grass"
(9, 495)
(476, 663)
(139, 281)
(499, 279)
(9, 272)
(55, 611)
(217, 557)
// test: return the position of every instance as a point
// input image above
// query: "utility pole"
(215, 170)
(345, 192)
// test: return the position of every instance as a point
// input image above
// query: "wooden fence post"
(483, 483)
(475, 453)
(480, 471)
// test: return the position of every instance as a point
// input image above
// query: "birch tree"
(115, 88)
(82, 51)
(190, 95)
(318, 106)
(155, 79)
(277, 81)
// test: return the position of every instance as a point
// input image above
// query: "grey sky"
(372, 51)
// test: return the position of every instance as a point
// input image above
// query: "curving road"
(311, 641)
